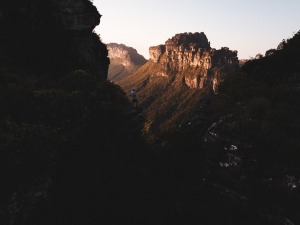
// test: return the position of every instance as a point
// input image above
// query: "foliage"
(78, 80)
(40, 124)
(267, 118)
(278, 65)
(61, 121)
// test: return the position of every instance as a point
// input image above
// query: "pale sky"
(248, 26)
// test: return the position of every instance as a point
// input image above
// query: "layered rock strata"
(123, 61)
(190, 54)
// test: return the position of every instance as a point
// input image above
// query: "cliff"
(192, 51)
(53, 35)
(123, 61)
(179, 74)
(53, 71)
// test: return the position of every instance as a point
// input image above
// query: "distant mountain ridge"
(123, 61)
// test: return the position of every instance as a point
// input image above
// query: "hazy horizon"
(250, 27)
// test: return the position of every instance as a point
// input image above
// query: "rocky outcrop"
(128, 55)
(156, 51)
(123, 61)
(76, 15)
(42, 43)
(53, 34)
(191, 55)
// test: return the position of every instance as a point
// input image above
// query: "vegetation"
(166, 101)
(257, 110)
(43, 122)
(278, 65)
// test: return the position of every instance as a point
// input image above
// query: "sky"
(250, 27)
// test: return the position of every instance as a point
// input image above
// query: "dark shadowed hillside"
(278, 65)
(63, 126)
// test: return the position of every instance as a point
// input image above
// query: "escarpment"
(123, 61)
(52, 35)
(190, 54)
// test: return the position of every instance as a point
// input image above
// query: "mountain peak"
(189, 39)
(192, 50)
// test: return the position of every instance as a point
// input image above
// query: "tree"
(270, 52)
(282, 45)
(259, 56)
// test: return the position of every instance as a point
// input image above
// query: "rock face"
(156, 52)
(123, 61)
(192, 51)
(76, 15)
(42, 44)
(53, 34)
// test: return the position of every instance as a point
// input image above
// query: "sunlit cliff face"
(127, 56)
(115, 52)
(124, 60)
(187, 51)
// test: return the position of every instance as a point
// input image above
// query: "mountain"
(177, 76)
(192, 51)
(123, 61)
(238, 149)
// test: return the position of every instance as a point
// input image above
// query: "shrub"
(78, 80)
(258, 107)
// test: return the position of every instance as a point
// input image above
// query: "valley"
(214, 139)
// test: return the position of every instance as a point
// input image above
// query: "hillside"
(124, 60)
(59, 116)
(279, 64)
(177, 78)
(242, 142)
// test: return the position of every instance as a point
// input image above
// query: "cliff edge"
(53, 35)
(123, 61)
